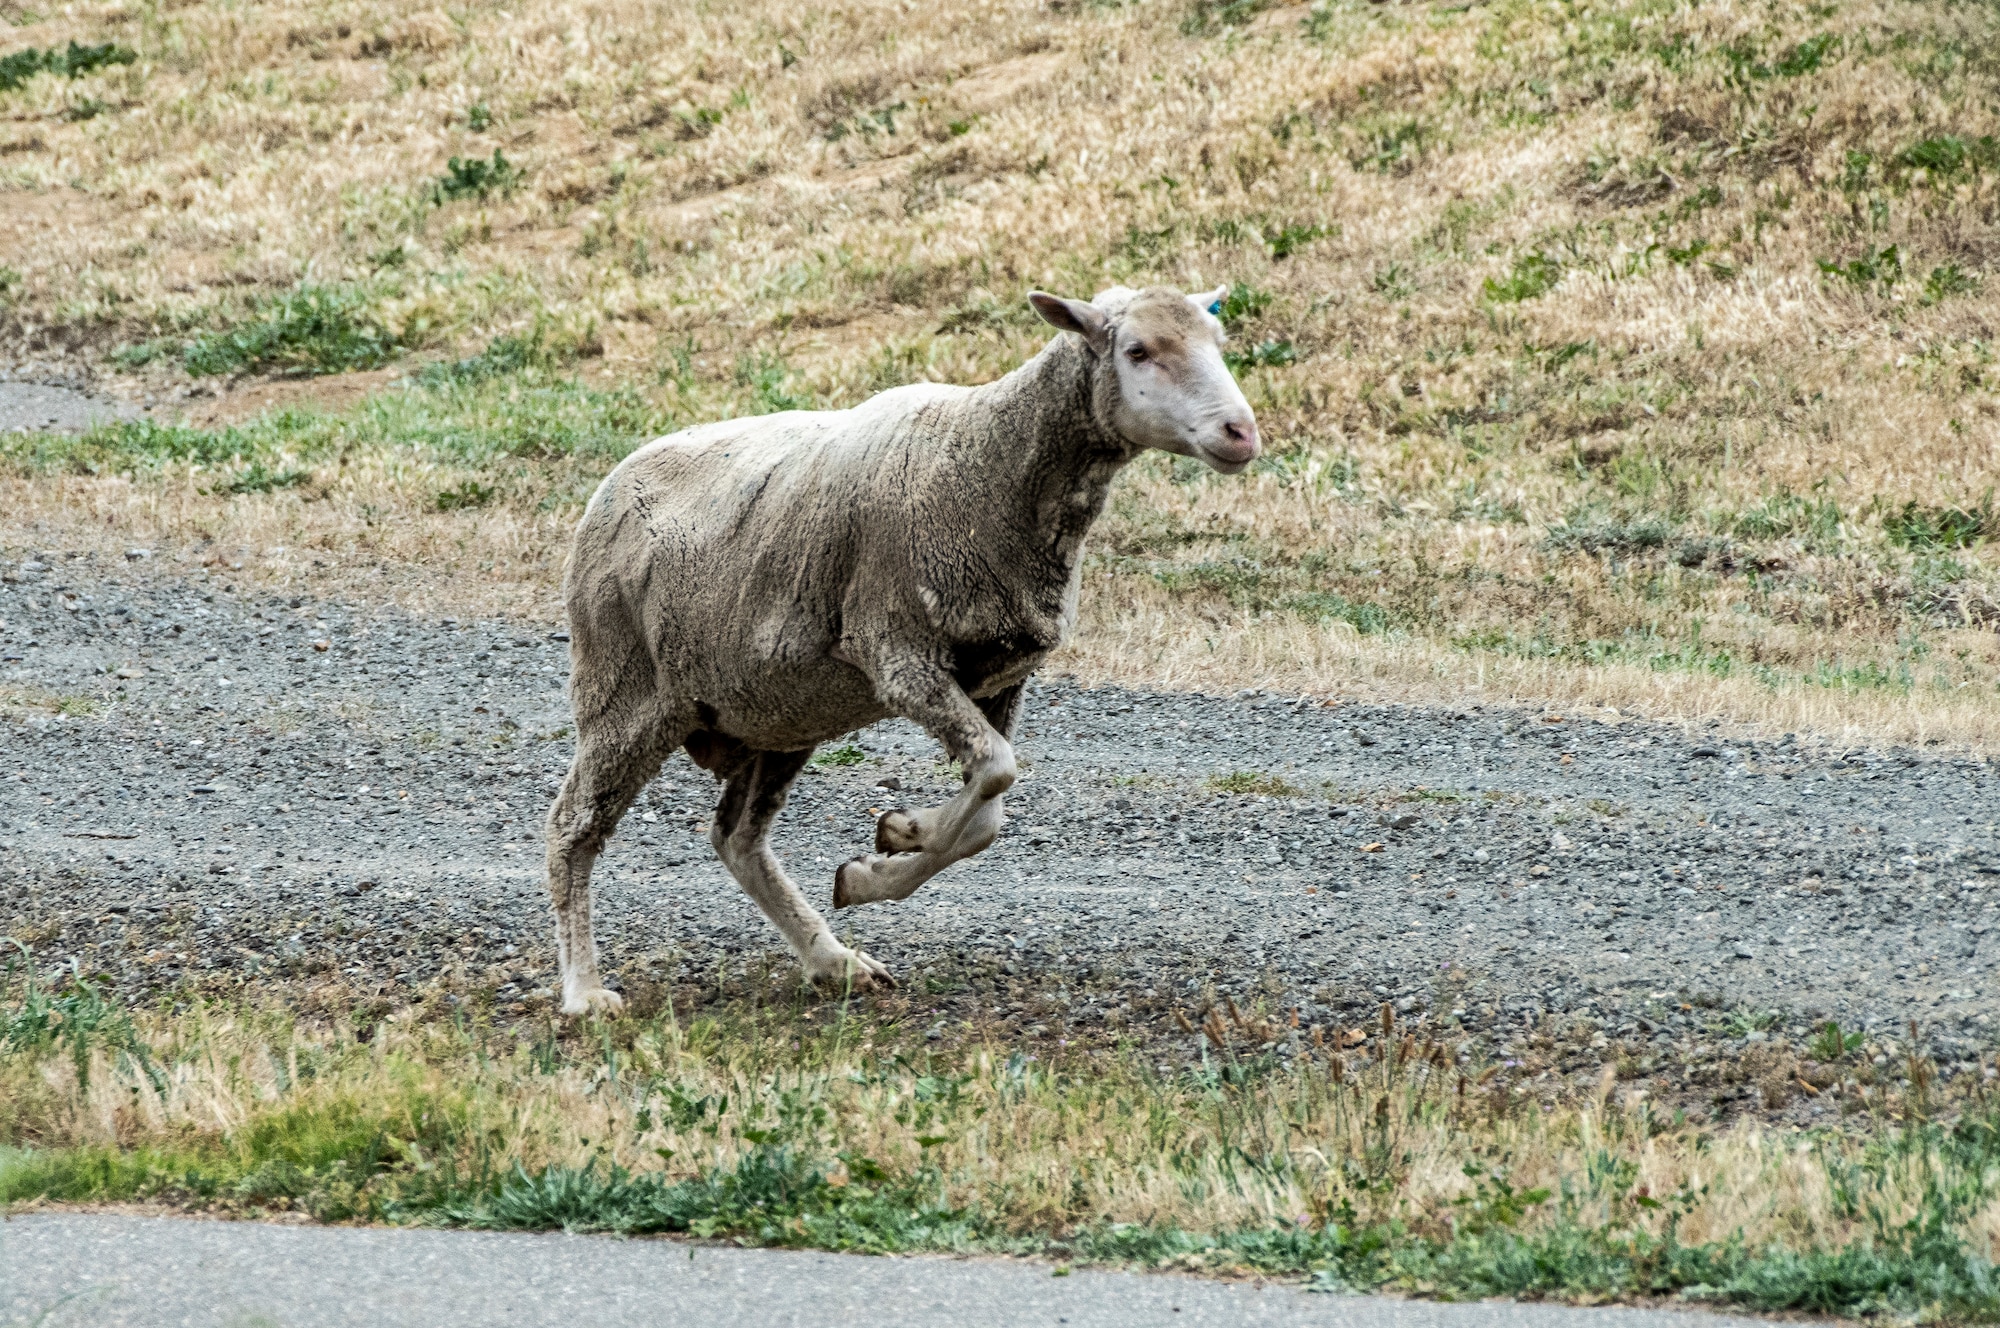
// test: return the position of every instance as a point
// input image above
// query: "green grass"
(469, 413)
(845, 754)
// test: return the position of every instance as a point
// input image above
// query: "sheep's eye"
(1136, 354)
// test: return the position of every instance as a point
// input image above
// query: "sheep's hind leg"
(938, 836)
(603, 779)
(740, 832)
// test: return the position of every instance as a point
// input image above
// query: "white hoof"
(839, 968)
(593, 1001)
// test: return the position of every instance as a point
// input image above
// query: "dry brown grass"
(1393, 1132)
(1657, 481)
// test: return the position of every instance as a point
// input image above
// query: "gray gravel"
(49, 401)
(134, 1272)
(229, 800)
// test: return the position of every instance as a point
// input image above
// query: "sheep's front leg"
(902, 831)
(912, 847)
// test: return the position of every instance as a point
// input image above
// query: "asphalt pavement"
(115, 1271)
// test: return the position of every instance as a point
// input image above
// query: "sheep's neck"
(1052, 462)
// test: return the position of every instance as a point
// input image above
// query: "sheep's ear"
(1211, 301)
(1078, 316)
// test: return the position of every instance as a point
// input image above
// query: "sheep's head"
(1161, 351)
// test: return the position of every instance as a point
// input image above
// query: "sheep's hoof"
(897, 832)
(594, 1001)
(843, 891)
(851, 970)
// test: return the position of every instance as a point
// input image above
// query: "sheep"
(751, 588)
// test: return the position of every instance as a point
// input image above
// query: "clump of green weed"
(845, 754)
(1915, 526)
(1254, 782)
(1830, 1045)
(1288, 240)
(1264, 355)
(464, 496)
(1785, 514)
(1614, 534)
(1243, 303)
(1209, 16)
(316, 329)
(1532, 276)
(1883, 267)
(260, 478)
(476, 177)
(74, 62)
(770, 382)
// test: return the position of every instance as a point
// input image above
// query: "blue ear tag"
(1216, 308)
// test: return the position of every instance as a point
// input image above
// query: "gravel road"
(199, 785)
(53, 401)
(136, 1272)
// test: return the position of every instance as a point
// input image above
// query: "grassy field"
(1395, 1162)
(1626, 353)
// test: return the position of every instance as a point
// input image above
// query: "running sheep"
(752, 588)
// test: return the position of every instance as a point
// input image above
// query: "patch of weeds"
(1263, 355)
(77, 1016)
(1288, 240)
(1243, 303)
(1394, 281)
(881, 120)
(478, 117)
(503, 356)
(317, 329)
(1747, 65)
(1830, 1045)
(768, 379)
(1209, 16)
(464, 496)
(1743, 1022)
(259, 478)
(1617, 534)
(1946, 155)
(1253, 782)
(1392, 148)
(1882, 266)
(844, 755)
(1917, 527)
(73, 62)
(1532, 276)
(477, 177)
(1326, 606)
(1786, 514)
(1946, 281)
(10, 281)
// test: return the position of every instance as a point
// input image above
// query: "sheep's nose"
(1239, 440)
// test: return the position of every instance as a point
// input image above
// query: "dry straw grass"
(1588, 376)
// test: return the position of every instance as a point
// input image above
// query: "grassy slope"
(1389, 1164)
(1630, 352)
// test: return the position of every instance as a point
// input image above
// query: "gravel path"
(136, 1272)
(52, 401)
(196, 784)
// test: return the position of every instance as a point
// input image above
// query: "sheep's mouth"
(1227, 458)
